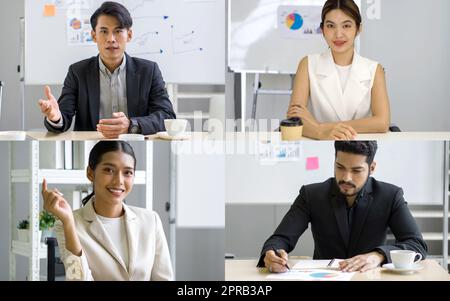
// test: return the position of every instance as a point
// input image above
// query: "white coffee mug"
(404, 259)
(175, 127)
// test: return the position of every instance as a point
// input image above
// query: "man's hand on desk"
(112, 128)
(49, 107)
(274, 263)
(362, 262)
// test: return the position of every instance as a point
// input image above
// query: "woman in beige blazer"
(338, 94)
(106, 239)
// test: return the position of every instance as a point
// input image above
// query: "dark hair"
(103, 147)
(349, 8)
(365, 148)
(116, 10)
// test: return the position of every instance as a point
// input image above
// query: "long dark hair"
(349, 8)
(101, 148)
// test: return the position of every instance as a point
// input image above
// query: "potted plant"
(46, 224)
(23, 230)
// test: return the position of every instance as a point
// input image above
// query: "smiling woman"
(339, 93)
(106, 239)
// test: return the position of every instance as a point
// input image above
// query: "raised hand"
(49, 107)
(56, 204)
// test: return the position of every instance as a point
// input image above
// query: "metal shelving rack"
(35, 250)
(177, 97)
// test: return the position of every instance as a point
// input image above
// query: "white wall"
(10, 13)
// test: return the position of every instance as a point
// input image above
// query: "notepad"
(312, 275)
(317, 264)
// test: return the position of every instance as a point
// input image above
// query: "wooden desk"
(408, 136)
(246, 270)
(69, 135)
(250, 136)
(80, 136)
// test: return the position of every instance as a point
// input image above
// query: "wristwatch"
(134, 127)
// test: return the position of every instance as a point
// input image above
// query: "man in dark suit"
(350, 215)
(112, 93)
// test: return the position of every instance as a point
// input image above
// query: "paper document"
(317, 264)
(312, 275)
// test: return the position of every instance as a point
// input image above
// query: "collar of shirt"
(106, 71)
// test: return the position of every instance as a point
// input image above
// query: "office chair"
(55, 266)
(395, 129)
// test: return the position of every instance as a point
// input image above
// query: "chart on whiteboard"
(185, 37)
(166, 34)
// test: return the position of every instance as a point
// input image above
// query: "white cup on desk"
(175, 127)
(404, 259)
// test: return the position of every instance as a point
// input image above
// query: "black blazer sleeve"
(159, 106)
(67, 103)
(404, 227)
(294, 223)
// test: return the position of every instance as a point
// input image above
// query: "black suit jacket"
(147, 98)
(380, 207)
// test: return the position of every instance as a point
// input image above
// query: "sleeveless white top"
(343, 73)
(329, 100)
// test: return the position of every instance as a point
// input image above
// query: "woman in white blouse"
(106, 239)
(338, 94)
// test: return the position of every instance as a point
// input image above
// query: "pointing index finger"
(48, 92)
(44, 185)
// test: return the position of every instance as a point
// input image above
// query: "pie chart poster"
(299, 22)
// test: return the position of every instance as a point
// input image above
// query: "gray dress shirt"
(113, 91)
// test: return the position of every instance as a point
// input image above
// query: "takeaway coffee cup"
(291, 129)
(404, 259)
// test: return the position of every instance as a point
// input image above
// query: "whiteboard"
(417, 167)
(185, 37)
(256, 39)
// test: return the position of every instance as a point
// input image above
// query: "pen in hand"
(330, 264)
(279, 255)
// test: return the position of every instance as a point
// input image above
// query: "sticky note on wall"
(49, 10)
(312, 163)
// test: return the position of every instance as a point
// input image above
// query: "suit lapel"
(328, 79)
(133, 81)
(358, 86)
(101, 236)
(98, 232)
(132, 227)
(346, 104)
(93, 83)
(360, 217)
(340, 212)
